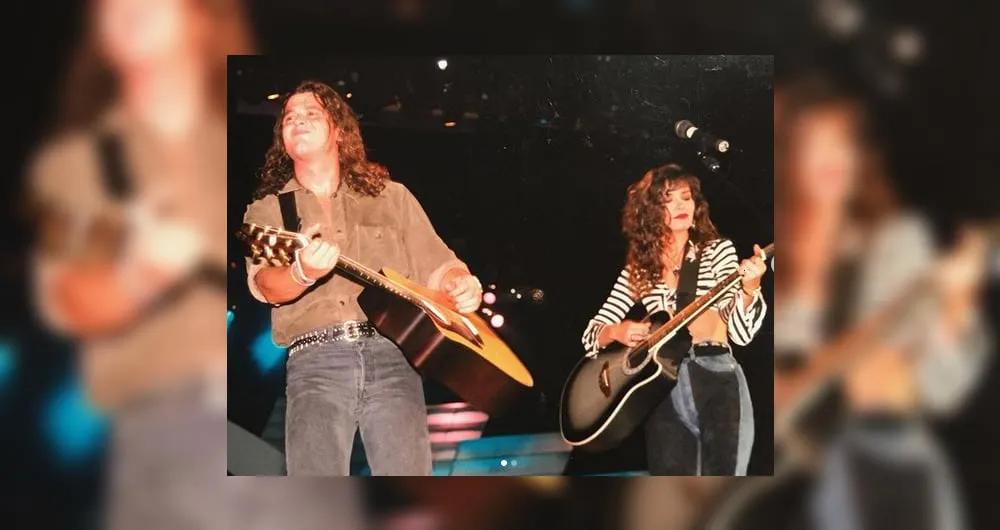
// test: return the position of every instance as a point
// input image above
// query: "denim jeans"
(706, 426)
(885, 473)
(336, 388)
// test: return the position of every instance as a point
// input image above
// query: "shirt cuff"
(252, 270)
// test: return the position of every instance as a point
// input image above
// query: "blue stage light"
(266, 353)
(75, 429)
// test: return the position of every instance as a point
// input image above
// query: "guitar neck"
(701, 304)
(365, 276)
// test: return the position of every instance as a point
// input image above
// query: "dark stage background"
(522, 165)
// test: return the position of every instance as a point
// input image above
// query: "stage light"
(442, 64)
(496, 320)
(537, 296)
(349, 95)
(273, 96)
(490, 298)
(907, 45)
(449, 124)
(75, 429)
(266, 353)
(8, 362)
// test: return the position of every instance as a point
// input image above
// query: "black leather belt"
(346, 332)
(710, 349)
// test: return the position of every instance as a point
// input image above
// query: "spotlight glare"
(496, 320)
(442, 64)
(490, 298)
(273, 96)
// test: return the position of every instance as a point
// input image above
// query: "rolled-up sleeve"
(430, 258)
(260, 212)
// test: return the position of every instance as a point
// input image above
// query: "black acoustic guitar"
(461, 351)
(606, 397)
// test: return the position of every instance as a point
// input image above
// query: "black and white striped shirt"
(718, 260)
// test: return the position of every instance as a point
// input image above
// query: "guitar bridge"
(604, 380)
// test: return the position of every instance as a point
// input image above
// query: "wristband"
(298, 274)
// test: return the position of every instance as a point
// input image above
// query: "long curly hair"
(644, 223)
(359, 173)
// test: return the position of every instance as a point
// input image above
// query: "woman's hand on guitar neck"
(320, 257)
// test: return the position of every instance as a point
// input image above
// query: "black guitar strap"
(113, 166)
(289, 213)
(688, 281)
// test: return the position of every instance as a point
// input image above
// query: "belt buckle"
(352, 331)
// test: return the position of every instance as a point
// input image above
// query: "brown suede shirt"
(186, 340)
(390, 230)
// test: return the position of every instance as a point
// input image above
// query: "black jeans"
(706, 425)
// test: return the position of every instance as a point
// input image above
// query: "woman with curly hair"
(706, 427)
(342, 375)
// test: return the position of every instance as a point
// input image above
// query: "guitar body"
(603, 402)
(487, 374)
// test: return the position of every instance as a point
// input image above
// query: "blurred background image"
(906, 62)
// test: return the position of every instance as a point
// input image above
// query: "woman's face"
(825, 158)
(679, 206)
(139, 33)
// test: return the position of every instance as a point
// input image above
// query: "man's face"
(306, 128)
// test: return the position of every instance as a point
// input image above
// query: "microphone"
(688, 131)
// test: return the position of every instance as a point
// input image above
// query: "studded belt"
(349, 331)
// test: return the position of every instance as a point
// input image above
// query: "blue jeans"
(336, 388)
(706, 426)
(888, 474)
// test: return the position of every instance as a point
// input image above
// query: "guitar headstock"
(271, 245)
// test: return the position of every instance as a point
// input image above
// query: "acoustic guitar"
(607, 396)
(460, 351)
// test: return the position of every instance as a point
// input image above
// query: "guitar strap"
(688, 281)
(289, 213)
(113, 164)
(119, 184)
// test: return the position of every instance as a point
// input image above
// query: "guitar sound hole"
(634, 360)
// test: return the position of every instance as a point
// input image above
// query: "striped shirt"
(718, 260)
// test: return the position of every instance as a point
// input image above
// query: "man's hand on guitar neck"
(320, 257)
(279, 285)
(93, 299)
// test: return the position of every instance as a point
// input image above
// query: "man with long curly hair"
(706, 426)
(351, 378)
